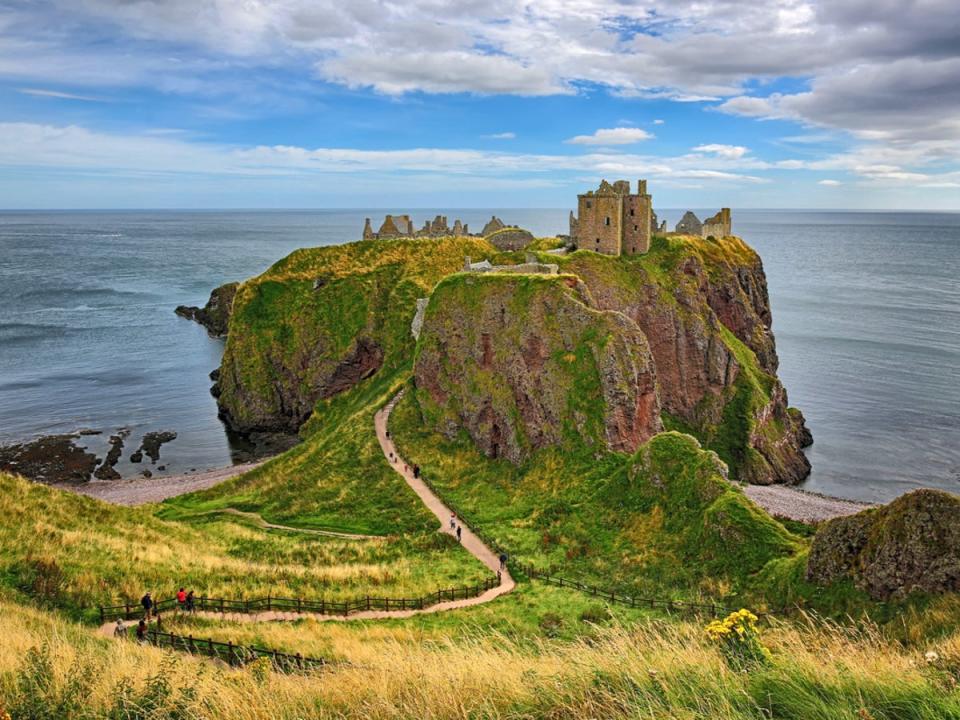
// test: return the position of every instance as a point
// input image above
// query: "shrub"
(739, 640)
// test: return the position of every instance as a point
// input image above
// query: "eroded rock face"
(684, 316)
(215, 315)
(522, 363)
(911, 544)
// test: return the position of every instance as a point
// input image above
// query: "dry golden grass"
(655, 670)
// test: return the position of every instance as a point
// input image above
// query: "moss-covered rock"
(215, 315)
(911, 544)
(523, 362)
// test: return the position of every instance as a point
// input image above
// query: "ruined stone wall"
(599, 224)
(719, 225)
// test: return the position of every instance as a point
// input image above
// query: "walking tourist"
(181, 598)
(147, 602)
(120, 631)
(142, 631)
(459, 530)
(191, 606)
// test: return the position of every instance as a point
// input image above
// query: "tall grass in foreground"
(655, 670)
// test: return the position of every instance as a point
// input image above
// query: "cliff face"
(694, 310)
(911, 544)
(523, 362)
(324, 319)
(703, 306)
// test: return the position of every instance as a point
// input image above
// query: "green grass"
(663, 521)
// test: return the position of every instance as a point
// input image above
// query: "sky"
(478, 103)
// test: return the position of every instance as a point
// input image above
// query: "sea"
(866, 309)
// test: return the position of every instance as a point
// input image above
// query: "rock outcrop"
(698, 315)
(523, 362)
(294, 342)
(215, 315)
(911, 544)
(49, 459)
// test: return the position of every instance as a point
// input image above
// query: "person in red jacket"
(181, 598)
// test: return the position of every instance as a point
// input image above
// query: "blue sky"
(460, 103)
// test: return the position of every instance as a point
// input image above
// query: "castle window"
(635, 227)
(631, 212)
(606, 220)
(589, 204)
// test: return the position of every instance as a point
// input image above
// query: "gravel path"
(140, 490)
(789, 502)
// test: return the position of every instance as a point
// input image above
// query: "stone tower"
(613, 221)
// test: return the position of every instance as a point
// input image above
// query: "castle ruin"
(613, 221)
(401, 226)
(718, 226)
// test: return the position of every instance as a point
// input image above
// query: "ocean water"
(866, 313)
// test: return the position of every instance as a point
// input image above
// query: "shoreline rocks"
(49, 459)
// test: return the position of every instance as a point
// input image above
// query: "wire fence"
(235, 655)
(130, 611)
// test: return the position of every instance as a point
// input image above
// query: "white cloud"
(40, 92)
(734, 152)
(612, 136)
(502, 136)
(76, 148)
(830, 183)
(658, 121)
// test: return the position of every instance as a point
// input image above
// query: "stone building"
(718, 226)
(613, 221)
(690, 224)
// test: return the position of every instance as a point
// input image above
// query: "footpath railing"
(634, 601)
(130, 611)
(235, 655)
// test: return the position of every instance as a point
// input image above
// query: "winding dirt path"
(474, 545)
(261, 523)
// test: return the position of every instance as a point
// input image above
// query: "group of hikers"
(185, 603)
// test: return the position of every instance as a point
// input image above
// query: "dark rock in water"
(50, 459)
(106, 470)
(150, 445)
(911, 544)
(147, 474)
(215, 315)
(161, 468)
(89, 431)
(215, 374)
(136, 456)
(249, 447)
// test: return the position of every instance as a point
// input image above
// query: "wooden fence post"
(368, 602)
(299, 606)
(193, 648)
(127, 615)
(268, 602)
(323, 606)
(300, 661)
(101, 615)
